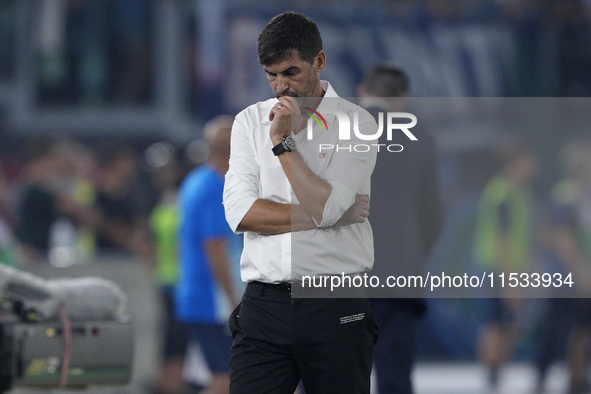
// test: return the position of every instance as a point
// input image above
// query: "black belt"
(284, 287)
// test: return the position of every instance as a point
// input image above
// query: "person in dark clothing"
(504, 243)
(119, 228)
(406, 222)
(35, 215)
(569, 250)
(118, 168)
(42, 200)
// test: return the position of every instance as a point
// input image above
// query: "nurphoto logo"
(344, 124)
(315, 115)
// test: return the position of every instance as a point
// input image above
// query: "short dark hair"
(384, 80)
(286, 32)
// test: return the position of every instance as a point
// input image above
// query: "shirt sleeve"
(241, 187)
(349, 170)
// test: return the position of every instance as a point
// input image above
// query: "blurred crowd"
(92, 52)
(64, 202)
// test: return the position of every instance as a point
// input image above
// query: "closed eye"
(288, 72)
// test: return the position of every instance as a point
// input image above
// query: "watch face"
(290, 143)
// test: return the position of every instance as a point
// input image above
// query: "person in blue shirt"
(207, 290)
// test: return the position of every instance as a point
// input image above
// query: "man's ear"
(320, 61)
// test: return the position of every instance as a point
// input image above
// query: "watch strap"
(281, 147)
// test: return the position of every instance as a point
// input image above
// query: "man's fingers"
(362, 197)
(276, 110)
(284, 104)
(362, 205)
(359, 211)
(363, 213)
(282, 107)
(287, 101)
(290, 103)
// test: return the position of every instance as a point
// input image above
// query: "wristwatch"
(286, 145)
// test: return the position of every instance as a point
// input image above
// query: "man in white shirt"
(300, 193)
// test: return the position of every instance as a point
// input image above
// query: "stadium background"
(138, 72)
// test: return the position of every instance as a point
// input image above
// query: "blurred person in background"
(120, 228)
(78, 181)
(44, 199)
(165, 226)
(38, 206)
(405, 198)
(207, 291)
(569, 242)
(503, 244)
(8, 254)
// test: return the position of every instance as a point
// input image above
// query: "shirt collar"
(329, 91)
(325, 105)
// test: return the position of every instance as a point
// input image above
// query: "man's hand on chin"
(283, 114)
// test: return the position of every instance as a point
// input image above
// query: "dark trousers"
(278, 340)
(394, 353)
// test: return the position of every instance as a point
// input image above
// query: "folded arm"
(245, 211)
(325, 200)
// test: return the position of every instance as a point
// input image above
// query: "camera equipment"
(63, 332)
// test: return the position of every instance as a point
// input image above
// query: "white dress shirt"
(255, 172)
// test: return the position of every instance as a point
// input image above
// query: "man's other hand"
(357, 213)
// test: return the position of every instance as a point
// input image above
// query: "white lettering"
(404, 127)
(395, 145)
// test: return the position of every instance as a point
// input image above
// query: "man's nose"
(282, 84)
